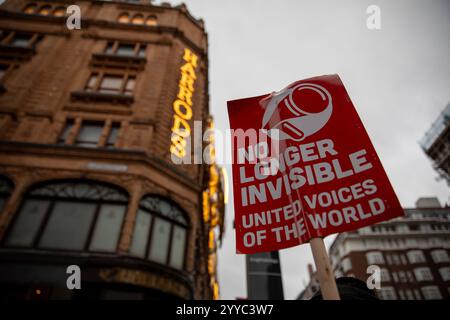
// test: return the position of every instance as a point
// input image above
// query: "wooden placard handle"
(325, 274)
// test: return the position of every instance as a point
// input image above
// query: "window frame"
(427, 289)
(59, 7)
(416, 256)
(14, 55)
(9, 37)
(100, 75)
(388, 291)
(115, 45)
(444, 272)
(75, 130)
(440, 256)
(34, 5)
(61, 140)
(150, 20)
(419, 274)
(106, 143)
(385, 275)
(47, 6)
(173, 223)
(49, 211)
(38, 6)
(92, 123)
(137, 16)
(394, 277)
(122, 15)
(153, 18)
(370, 257)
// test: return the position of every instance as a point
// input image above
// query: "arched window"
(160, 232)
(124, 18)
(6, 188)
(59, 12)
(30, 8)
(69, 215)
(137, 19)
(45, 10)
(151, 21)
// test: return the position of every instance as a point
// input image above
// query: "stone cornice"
(104, 24)
(130, 156)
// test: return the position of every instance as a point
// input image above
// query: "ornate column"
(120, 143)
(74, 131)
(130, 217)
(105, 132)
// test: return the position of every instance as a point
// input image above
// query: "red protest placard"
(309, 169)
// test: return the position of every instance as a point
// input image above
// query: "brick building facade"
(87, 127)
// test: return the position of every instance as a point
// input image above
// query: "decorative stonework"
(146, 279)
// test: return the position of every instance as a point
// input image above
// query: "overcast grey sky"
(397, 77)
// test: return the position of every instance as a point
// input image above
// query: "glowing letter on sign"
(182, 107)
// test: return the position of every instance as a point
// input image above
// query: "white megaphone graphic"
(294, 122)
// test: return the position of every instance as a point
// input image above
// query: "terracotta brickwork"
(44, 90)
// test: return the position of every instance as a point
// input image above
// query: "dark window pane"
(3, 69)
(27, 223)
(111, 84)
(21, 40)
(142, 51)
(107, 228)
(130, 86)
(163, 207)
(65, 133)
(178, 245)
(160, 240)
(91, 83)
(109, 48)
(140, 234)
(68, 226)
(89, 135)
(125, 50)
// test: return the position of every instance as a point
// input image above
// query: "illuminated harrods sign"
(182, 106)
